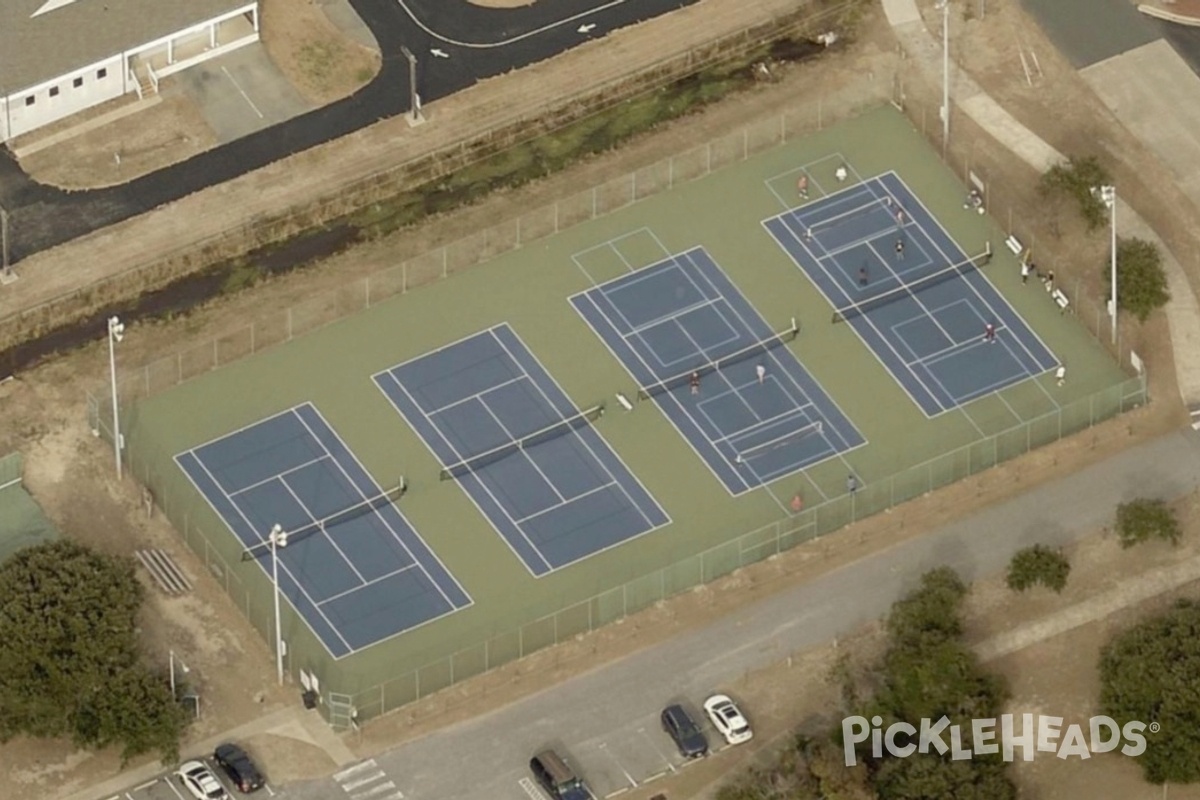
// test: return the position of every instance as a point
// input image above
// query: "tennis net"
(554, 431)
(756, 349)
(910, 289)
(812, 429)
(325, 524)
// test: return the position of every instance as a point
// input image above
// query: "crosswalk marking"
(346, 773)
(364, 774)
(350, 786)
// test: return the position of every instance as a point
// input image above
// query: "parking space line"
(171, 785)
(374, 790)
(145, 785)
(245, 96)
(363, 781)
(632, 783)
(666, 759)
(618, 792)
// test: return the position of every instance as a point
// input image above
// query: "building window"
(30, 100)
(54, 91)
(102, 73)
(77, 82)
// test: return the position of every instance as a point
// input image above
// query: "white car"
(728, 721)
(200, 781)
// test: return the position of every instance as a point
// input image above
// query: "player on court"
(762, 374)
(694, 382)
(989, 333)
(899, 249)
(802, 186)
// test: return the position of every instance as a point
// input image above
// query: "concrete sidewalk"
(1183, 312)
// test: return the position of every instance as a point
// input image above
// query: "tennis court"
(529, 459)
(352, 567)
(915, 298)
(712, 364)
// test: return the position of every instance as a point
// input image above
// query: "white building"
(59, 57)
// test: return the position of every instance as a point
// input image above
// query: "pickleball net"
(904, 291)
(707, 368)
(882, 213)
(812, 429)
(541, 436)
(327, 523)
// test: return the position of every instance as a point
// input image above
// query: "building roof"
(72, 34)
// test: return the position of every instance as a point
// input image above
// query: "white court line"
(476, 396)
(313, 519)
(672, 317)
(974, 290)
(387, 524)
(365, 584)
(469, 476)
(287, 570)
(513, 438)
(265, 481)
(637, 355)
(576, 433)
(242, 92)
(779, 362)
(871, 348)
(548, 509)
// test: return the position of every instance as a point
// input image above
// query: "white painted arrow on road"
(586, 28)
(439, 53)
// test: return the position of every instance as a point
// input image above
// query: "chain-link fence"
(271, 328)
(361, 181)
(219, 550)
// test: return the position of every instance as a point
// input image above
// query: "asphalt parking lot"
(167, 787)
(629, 757)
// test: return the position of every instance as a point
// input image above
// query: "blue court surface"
(756, 414)
(353, 568)
(536, 468)
(911, 294)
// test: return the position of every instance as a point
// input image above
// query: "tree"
(1141, 279)
(1038, 565)
(1075, 179)
(69, 665)
(1142, 520)
(1151, 673)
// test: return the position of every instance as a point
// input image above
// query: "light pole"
(6, 273)
(1108, 196)
(116, 331)
(414, 99)
(945, 7)
(278, 539)
(182, 667)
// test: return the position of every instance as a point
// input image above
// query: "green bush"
(1143, 520)
(1150, 673)
(1141, 279)
(1038, 565)
(1075, 179)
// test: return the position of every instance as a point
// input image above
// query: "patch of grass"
(240, 276)
(318, 60)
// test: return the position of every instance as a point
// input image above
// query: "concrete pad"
(899, 12)
(1155, 94)
(1090, 31)
(242, 92)
(346, 19)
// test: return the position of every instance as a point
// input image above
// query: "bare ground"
(313, 55)
(71, 475)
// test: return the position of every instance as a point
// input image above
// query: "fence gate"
(342, 713)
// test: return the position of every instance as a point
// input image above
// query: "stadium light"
(116, 332)
(1108, 196)
(182, 668)
(278, 539)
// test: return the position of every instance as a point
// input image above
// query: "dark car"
(557, 777)
(680, 726)
(238, 766)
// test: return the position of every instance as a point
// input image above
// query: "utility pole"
(414, 98)
(6, 273)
